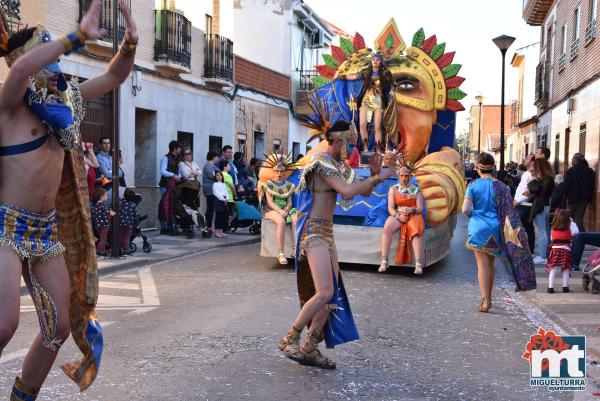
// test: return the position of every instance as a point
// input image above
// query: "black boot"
(550, 290)
(565, 289)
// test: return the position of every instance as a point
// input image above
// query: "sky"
(467, 27)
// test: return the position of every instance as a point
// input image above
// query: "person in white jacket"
(221, 197)
(524, 207)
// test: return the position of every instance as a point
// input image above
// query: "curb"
(150, 262)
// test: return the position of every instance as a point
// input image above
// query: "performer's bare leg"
(392, 225)
(53, 277)
(10, 298)
(279, 221)
(485, 275)
(294, 222)
(379, 131)
(417, 245)
(363, 122)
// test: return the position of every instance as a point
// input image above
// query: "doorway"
(259, 144)
(145, 147)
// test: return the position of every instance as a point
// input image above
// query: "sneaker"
(538, 260)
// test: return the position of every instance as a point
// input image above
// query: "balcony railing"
(173, 38)
(542, 85)
(218, 58)
(306, 77)
(562, 62)
(590, 32)
(106, 18)
(12, 11)
(574, 48)
(515, 113)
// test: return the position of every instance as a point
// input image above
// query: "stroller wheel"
(147, 247)
(595, 287)
(585, 283)
(253, 229)
(233, 229)
(132, 247)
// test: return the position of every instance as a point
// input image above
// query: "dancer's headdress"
(279, 162)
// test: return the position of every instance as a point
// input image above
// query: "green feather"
(346, 46)
(319, 81)
(418, 38)
(330, 61)
(437, 51)
(456, 94)
(451, 70)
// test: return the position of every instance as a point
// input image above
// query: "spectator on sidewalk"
(225, 166)
(228, 156)
(208, 179)
(523, 206)
(101, 216)
(579, 242)
(579, 182)
(188, 169)
(253, 170)
(91, 164)
(542, 153)
(221, 208)
(169, 170)
(105, 158)
(128, 219)
(540, 190)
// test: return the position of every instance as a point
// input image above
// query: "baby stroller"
(186, 205)
(591, 273)
(137, 232)
(245, 215)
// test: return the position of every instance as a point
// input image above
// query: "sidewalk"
(577, 312)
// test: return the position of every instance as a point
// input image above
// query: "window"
(241, 144)
(215, 143)
(276, 145)
(563, 39)
(593, 10)
(582, 131)
(576, 23)
(186, 140)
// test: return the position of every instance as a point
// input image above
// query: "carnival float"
(420, 95)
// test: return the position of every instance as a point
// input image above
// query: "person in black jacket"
(579, 182)
(540, 191)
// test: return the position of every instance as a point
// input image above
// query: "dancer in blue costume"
(495, 231)
(325, 306)
(45, 224)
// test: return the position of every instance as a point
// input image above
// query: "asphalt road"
(206, 328)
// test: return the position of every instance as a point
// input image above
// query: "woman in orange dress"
(405, 206)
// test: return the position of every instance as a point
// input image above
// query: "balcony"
(535, 11)
(574, 48)
(562, 62)
(172, 42)
(305, 85)
(590, 32)
(542, 85)
(218, 60)
(106, 22)
(515, 113)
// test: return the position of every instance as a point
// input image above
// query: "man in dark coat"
(580, 185)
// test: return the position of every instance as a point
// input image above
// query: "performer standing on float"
(405, 206)
(43, 186)
(277, 201)
(320, 285)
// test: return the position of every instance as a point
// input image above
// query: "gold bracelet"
(128, 48)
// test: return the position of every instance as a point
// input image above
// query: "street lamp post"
(479, 99)
(503, 42)
(115, 139)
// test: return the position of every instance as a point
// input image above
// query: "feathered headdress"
(279, 162)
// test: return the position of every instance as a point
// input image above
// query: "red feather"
(454, 105)
(445, 60)
(358, 42)
(325, 71)
(429, 44)
(454, 82)
(338, 54)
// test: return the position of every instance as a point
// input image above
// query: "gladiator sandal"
(384, 265)
(290, 343)
(22, 392)
(486, 304)
(311, 356)
(281, 258)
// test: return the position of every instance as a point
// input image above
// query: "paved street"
(206, 327)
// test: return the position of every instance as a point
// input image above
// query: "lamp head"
(479, 99)
(503, 42)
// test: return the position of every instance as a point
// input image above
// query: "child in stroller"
(186, 207)
(245, 215)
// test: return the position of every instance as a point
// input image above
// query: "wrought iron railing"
(106, 18)
(306, 79)
(590, 32)
(173, 38)
(515, 113)
(218, 57)
(12, 11)
(574, 48)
